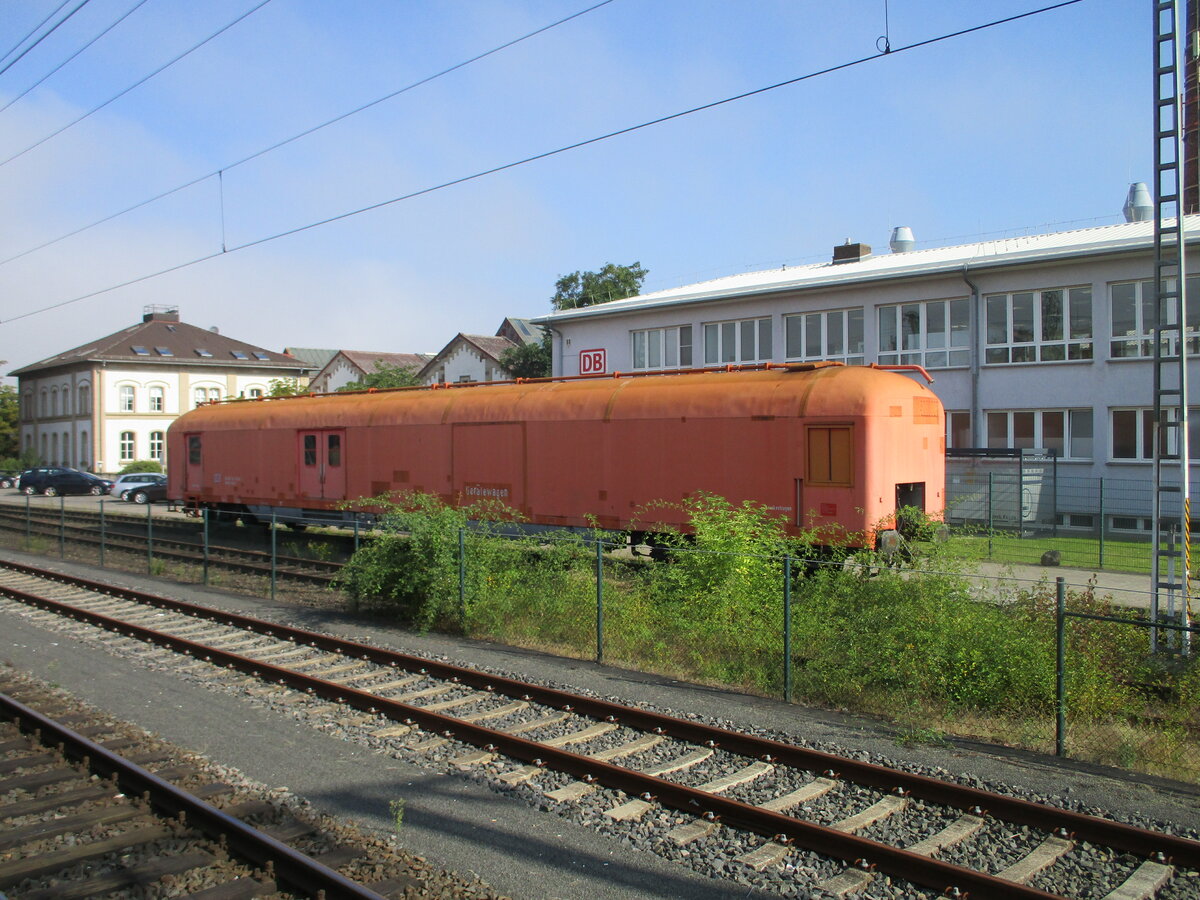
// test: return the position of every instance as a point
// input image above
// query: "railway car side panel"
(488, 462)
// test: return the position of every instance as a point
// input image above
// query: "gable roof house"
(110, 401)
(346, 366)
(476, 357)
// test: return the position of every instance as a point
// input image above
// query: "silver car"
(126, 483)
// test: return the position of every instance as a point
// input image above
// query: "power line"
(53, 28)
(549, 153)
(137, 83)
(62, 64)
(33, 31)
(305, 133)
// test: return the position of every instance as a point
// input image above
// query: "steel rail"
(1178, 850)
(299, 872)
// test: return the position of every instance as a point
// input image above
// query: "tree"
(284, 387)
(612, 282)
(385, 376)
(10, 422)
(528, 360)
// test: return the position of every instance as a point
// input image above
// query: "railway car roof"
(814, 390)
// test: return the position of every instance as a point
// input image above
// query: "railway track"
(81, 529)
(840, 825)
(90, 807)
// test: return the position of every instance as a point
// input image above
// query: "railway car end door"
(322, 473)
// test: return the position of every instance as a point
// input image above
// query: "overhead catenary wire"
(13, 49)
(70, 58)
(53, 28)
(544, 155)
(136, 84)
(302, 134)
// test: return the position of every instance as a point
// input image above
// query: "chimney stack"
(848, 252)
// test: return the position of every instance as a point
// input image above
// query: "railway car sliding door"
(322, 473)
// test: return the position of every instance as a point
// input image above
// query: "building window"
(214, 394)
(1133, 318)
(256, 393)
(126, 398)
(836, 335)
(156, 399)
(44, 407)
(157, 445)
(27, 406)
(663, 348)
(85, 400)
(745, 341)
(127, 446)
(84, 451)
(66, 400)
(958, 429)
(934, 334)
(1133, 434)
(1039, 326)
(54, 400)
(1067, 432)
(54, 449)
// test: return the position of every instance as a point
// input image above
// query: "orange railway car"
(821, 443)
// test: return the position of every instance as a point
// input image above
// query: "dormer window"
(140, 351)
(207, 354)
(258, 354)
(164, 351)
(238, 354)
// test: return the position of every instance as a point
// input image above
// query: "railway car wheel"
(50, 491)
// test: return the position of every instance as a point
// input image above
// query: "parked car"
(32, 480)
(148, 493)
(125, 483)
(9, 479)
(68, 481)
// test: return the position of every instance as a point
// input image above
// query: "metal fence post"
(787, 629)
(62, 526)
(149, 537)
(28, 526)
(102, 532)
(599, 601)
(991, 495)
(204, 531)
(1101, 562)
(356, 532)
(274, 562)
(1060, 694)
(462, 578)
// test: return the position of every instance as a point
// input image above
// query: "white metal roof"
(986, 254)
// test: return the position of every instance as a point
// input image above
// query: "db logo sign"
(593, 362)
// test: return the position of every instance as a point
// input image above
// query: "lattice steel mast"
(1172, 500)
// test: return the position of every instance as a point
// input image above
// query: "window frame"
(716, 335)
(1038, 348)
(126, 398)
(799, 326)
(668, 342)
(127, 446)
(955, 352)
(1143, 434)
(1140, 339)
(1071, 416)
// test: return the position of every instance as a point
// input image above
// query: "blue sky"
(1036, 125)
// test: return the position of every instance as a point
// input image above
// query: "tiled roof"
(311, 355)
(985, 254)
(490, 344)
(171, 342)
(367, 359)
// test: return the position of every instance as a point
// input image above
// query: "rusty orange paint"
(564, 452)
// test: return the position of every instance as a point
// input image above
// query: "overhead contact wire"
(54, 28)
(546, 155)
(137, 83)
(70, 58)
(301, 134)
(13, 49)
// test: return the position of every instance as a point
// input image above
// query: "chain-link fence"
(932, 646)
(1002, 512)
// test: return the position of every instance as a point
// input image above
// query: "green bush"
(142, 465)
